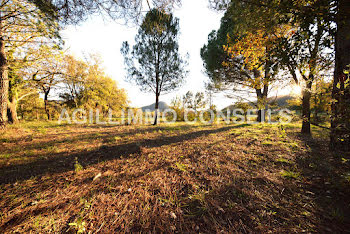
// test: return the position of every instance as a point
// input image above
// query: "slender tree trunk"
(4, 82)
(46, 103)
(266, 103)
(340, 133)
(259, 94)
(306, 113)
(157, 87)
(12, 111)
(156, 110)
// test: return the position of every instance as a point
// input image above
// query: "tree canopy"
(297, 36)
(87, 86)
(154, 63)
(72, 11)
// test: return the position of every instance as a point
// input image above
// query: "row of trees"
(72, 83)
(26, 25)
(259, 41)
(23, 30)
(154, 62)
(32, 62)
(189, 102)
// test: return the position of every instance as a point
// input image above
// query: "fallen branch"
(320, 126)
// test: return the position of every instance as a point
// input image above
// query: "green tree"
(194, 102)
(73, 12)
(46, 72)
(237, 56)
(34, 67)
(213, 53)
(87, 86)
(321, 100)
(154, 63)
(31, 108)
(178, 107)
(19, 89)
(187, 100)
(100, 90)
(340, 137)
(243, 106)
(306, 48)
(22, 24)
(306, 52)
(34, 17)
(75, 76)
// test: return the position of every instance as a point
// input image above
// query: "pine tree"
(154, 63)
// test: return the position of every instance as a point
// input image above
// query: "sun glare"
(296, 90)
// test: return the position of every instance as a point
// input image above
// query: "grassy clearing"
(171, 178)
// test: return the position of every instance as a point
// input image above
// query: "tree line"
(34, 63)
(258, 44)
(258, 41)
(28, 26)
(261, 42)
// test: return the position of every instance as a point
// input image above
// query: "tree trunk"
(259, 96)
(12, 111)
(340, 133)
(4, 82)
(306, 116)
(262, 103)
(46, 103)
(156, 110)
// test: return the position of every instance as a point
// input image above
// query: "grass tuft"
(77, 166)
(290, 174)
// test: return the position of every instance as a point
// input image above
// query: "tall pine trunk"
(156, 110)
(340, 130)
(306, 110)
(157, 92)
(4, 82)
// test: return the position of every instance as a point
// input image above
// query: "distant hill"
(281, 101)
(162, 106)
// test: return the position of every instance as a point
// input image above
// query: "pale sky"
(106, 37)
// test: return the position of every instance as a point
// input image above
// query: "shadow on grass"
(248, 201)
(323, 172)
(62, 162)
(241, 126)
(91, 136)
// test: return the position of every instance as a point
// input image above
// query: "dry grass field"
(172, 178)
